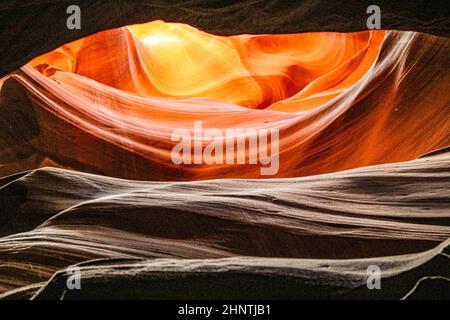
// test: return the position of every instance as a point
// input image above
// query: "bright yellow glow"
(280, 72)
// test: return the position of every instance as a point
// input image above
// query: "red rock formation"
(110, 103)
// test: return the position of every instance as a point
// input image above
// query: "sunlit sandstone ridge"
(109, 103)
(175, 60)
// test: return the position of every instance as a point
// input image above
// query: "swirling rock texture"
(364, 169)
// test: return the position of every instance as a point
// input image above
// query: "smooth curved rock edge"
(84, 217)
(41, 24)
